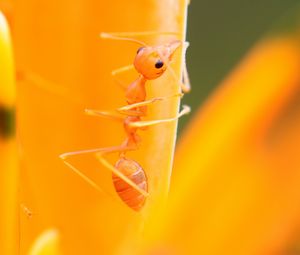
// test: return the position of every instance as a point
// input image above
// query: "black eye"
(159, 64)
(139, 50)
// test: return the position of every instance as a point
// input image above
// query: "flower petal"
(236, 188)
(59, 41)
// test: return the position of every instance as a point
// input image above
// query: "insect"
(128, 176)
(26, 211)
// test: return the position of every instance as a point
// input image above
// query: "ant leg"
(45, 84)
(106, 150)
(125, 109)
(82, 175)
(106, 114)
(125, 36)
(185, 85)
(117, 172)
(140, 33)
(122, 69)
(185, 74)
(114, 74)
(41, 82)
(120, 38)
(66, 155)
(99, 152)
(186, 79)
(139, 124)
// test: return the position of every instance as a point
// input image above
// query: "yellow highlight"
(48, 243)
(7, 91)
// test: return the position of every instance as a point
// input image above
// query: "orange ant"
(128, 176)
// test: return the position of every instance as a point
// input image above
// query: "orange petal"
(236, 188)
(59, 41)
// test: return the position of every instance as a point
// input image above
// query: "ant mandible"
(129, 178)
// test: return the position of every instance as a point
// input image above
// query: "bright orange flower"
(60, 42)
(236, 187)
(236, 184)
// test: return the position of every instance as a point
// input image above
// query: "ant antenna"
(114, 37)
(185, 87)
(127, 36)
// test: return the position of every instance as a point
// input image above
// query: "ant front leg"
(127, 108)
(116, 72)
(185, 85)
(139, 33)
(105, 114)
(140, 124)
(186, 79)
(125, 36)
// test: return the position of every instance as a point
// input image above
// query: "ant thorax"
(136, 91)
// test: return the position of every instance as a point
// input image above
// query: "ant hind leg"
(117, 172)
(82, 175)
(100, 152)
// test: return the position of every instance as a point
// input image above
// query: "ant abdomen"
(129, 195)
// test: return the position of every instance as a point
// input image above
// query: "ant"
(129, 178)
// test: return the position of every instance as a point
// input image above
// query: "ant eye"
(159, 64)
(139, 50)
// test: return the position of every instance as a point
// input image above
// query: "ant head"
(152, 62)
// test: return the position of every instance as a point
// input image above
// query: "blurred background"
(220, 33)
(236, 181)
